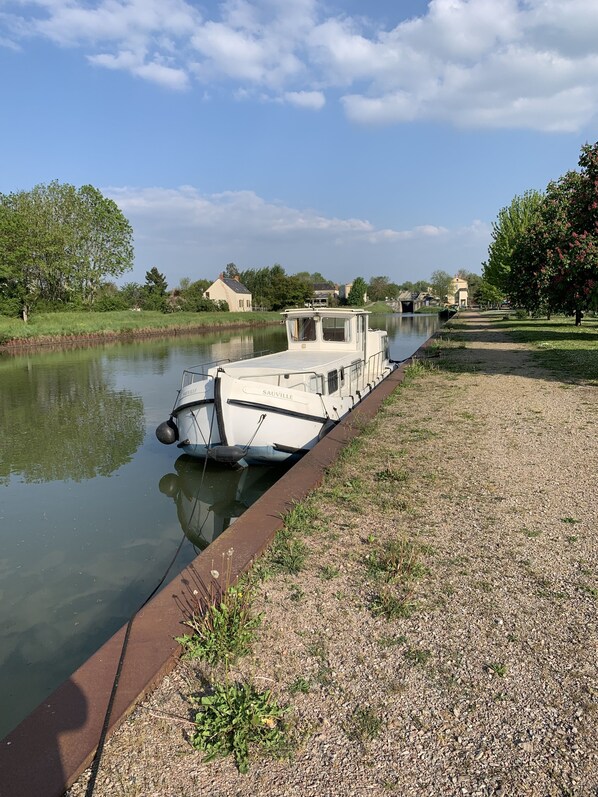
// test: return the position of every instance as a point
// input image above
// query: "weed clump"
(222, 631)
(236, 717)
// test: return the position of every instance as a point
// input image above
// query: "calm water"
(93, 508)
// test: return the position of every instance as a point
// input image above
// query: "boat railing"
(374, 366)
(199, 373)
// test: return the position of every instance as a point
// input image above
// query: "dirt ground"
(483, 467)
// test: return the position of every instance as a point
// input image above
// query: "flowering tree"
(570, 230)
(554, 265)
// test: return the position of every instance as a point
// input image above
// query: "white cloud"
(164, 75)
(306, 99)
(182, 231)
(476, 63)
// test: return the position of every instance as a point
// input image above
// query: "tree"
(441, 284)
(569, 229)
(231, 271)
(508, 232)
(358, 293)
(57, 244)
(487, 295)
(273, 289)
(132, 294)
(109, 298)
(154, 290)
(555, 265)
(378, 289)
(192, 300)
(104, 242)
(17, 274)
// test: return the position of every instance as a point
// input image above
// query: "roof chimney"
(237, 277)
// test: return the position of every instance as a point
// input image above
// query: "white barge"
(271, 407)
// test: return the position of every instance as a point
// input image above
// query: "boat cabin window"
(302, 329)
(336, 329)
(332, 381)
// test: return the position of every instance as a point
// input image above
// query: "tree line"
(62, 248)
(544, 249)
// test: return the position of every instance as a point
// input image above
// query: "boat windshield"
(302, 329)
(336, 329)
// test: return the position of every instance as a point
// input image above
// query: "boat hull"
(264, 424)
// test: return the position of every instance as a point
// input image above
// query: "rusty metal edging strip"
(50, 748)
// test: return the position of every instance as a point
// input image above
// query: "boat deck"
(293, 362)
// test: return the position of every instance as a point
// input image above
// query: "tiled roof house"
(231, 291)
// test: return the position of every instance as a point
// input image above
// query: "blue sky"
(352, 138)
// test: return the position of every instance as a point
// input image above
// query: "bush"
(57, 306)
(11, 307)
(110, 302)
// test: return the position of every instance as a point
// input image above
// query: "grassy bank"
(569, 352)
(559, 345)
(57, 327)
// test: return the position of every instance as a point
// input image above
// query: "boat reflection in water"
(209, 498)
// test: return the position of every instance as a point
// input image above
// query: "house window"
(241, 304)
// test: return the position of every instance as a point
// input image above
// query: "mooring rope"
(95, 765)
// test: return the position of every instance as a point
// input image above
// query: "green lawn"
(57, 326)
(559, 345)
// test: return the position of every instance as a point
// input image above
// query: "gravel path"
(484, 468)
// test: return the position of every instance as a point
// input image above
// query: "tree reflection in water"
(64, 420)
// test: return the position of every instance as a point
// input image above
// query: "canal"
(93, 508)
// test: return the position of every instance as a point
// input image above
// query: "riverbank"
(51, 329)
(481, 468)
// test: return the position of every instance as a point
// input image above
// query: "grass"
(288, 553)
(559, 345)
(417, 655)
(395, 560)
(497, 668)
(379, 308)
(57, 326)
(386, 603)
(364, 725)
(397, 564)
(299, 686)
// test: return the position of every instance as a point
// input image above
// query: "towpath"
(483, 469)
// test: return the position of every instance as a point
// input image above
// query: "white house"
(231, 291)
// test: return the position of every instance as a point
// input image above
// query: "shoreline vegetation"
(426, 615)
(67, 328)
(50, 329)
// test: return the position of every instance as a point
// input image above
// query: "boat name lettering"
(277, 394)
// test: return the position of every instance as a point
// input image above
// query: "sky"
(353, 138)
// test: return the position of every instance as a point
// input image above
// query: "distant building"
(324, 294)
(459, 292)
(231, 291)
(411, 301)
